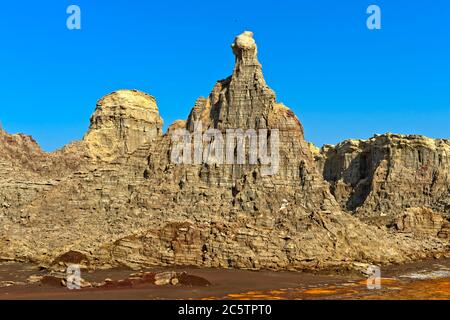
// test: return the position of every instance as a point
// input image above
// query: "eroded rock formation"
(116, 198)
(381, 178)
(122, 122)
(422, 221)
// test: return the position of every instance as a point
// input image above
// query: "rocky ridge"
(116, 198)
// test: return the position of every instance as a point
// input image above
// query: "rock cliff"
(118, 198)
(380, 179)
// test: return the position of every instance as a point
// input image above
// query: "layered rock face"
(26, 172)
(126, 202)
(381, 178)
(423, 221)
(244, 100)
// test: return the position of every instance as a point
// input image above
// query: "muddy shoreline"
(426, 279)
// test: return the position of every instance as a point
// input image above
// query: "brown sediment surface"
(51, 281)
(428, 279)
(391, 289)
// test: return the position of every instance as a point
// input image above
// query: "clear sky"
(341, 79)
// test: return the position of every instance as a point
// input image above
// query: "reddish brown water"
(428, 279)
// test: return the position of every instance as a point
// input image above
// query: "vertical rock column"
(244, 100)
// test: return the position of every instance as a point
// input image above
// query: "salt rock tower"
(244, 101)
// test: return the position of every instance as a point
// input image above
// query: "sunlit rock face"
(423, 221)
(379, 179)
(123, 121)
(244, 101)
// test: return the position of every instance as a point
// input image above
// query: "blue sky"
(341, 79)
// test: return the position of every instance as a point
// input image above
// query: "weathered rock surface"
(122, 122)
(118, 199)
(422, 221)
(378, 179)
